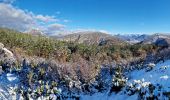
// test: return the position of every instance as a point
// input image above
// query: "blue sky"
(114, 16)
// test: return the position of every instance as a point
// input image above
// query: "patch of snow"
(8, 83)
(159, 75)
(11, 77)
(164, 77)
(104, 96)
(140, 80)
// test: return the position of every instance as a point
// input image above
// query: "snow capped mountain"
(133, 38)
(153, 38)
(143, 38)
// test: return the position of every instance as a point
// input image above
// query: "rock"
(1, 46)
(6, 56)
(1, 71)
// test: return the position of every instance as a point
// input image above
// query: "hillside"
(61, 50)
(142, 84)
(133, 38)
(153, 38)
(84, 50)
(151, 82)
(40, 67)
(90, 37)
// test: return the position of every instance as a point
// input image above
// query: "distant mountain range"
(95, 37)
(144, 38)
(133, 38)
(153, 38)
(89, 37)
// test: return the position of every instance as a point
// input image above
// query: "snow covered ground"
(7, 84)
(160, 75)
(103, 96)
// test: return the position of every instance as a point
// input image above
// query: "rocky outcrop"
(6, 55)
(1, 46)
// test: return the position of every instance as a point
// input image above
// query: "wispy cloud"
(66, 21)
(15, 18)
(26, 21)
(12, 17)
(54, 29)
(46, 18)
(7, 1)
(89, 30)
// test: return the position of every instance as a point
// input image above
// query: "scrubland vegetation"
(76, 65)
(73, 54)
(62, 51)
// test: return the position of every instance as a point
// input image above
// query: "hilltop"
(153, 38)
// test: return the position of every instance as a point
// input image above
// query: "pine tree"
(118, 80)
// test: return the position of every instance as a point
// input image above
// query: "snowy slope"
(160, 75)
(7, 84)
(138, 79)
(133, 38)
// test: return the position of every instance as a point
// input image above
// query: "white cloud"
(15, 18)
(66, 21)
(7, 1)
(25, 21)
(11, 17)
(46, 18)
(54, 28)
(89, 30)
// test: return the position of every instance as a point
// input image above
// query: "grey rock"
(1, 46)
(6, 56)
